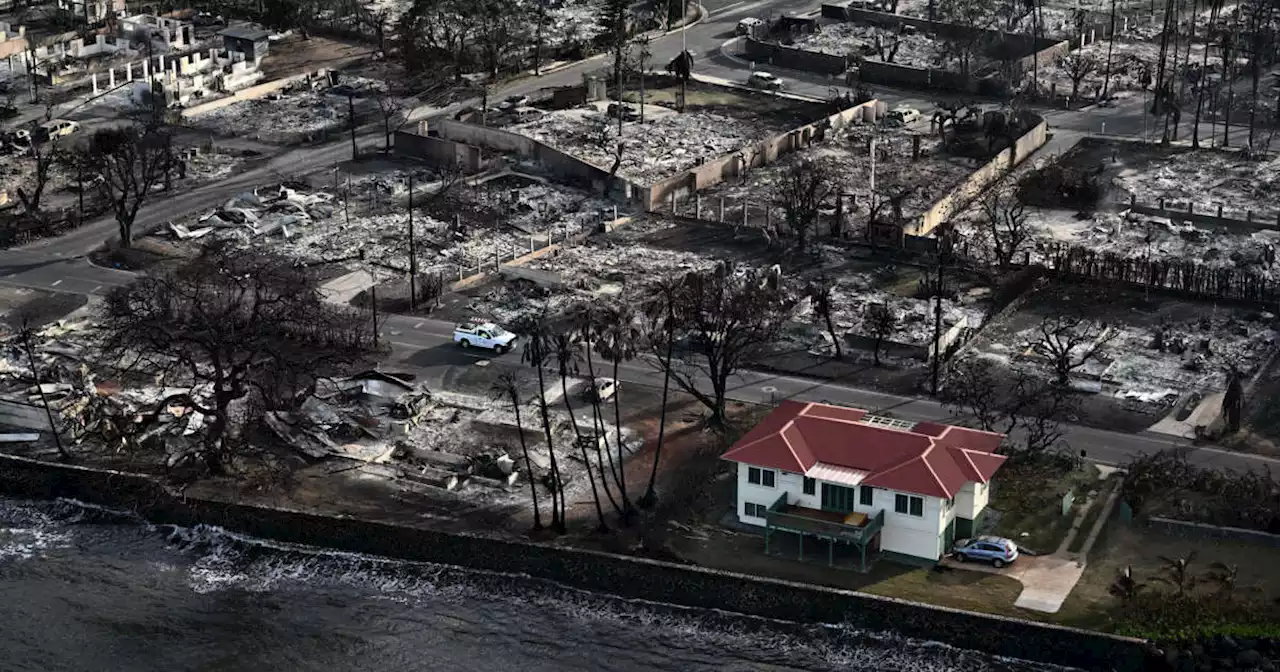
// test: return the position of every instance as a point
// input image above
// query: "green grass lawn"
(1029, 498)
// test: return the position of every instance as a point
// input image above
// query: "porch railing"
(777, 517)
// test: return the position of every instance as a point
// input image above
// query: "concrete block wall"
(793, 58)
(977, 182)
(13, 39)
(439, 151)
(564, 165)
(624, 576)
(717, 170)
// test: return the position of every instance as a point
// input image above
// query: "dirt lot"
(295, 55)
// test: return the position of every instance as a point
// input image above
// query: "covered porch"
(857, 530)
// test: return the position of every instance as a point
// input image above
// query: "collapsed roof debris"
(664, 145)
(497, 217)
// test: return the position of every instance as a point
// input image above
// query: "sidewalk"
(1048, 580)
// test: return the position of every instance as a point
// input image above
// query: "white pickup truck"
(486, 335)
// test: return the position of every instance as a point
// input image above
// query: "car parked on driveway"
(996, 550)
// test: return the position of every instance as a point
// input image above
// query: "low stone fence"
(1010, 53)
(627, 577)
(795, 58)
(1185, 528)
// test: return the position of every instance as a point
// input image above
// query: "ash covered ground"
(457, 223)
(667, 143)
(916, 50)
(1159, 349)
(299, 111)
(848, 158)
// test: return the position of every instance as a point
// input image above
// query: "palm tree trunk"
(557, 493)
(586, 459)
(622, 465)
(1203, 81)
(597, 421)
(528, 466)
(650, 494)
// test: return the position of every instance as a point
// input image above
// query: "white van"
(56, 128)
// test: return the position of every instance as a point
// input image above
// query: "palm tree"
(584, 328)
(1125, 586)
(1225, 577)
(505, 387)
(535, 354)
(566, 354)
(1177, 573)
(618, 337)
(661, 311)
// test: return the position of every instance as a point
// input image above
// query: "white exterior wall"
(903, 533)
(758, 494)
(972, 499)
(907, 534)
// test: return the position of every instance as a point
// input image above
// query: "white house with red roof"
(878, 484)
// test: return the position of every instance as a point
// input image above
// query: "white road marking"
(726, 8)
(96, 288)
(55, 283)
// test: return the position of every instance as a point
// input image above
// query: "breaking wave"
(620, 633)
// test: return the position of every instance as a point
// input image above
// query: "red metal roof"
(926, 459)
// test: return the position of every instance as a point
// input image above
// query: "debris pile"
(1141, 236)
(875, 43)
(495, 219)
(1158, 356)
(300, 111)
(1206, 179)
(848, 160)
(661, 147)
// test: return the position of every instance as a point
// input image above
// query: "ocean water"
(83, 588)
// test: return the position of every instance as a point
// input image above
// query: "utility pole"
(373, 303)
(351, 114)
(413, 255)
(1111, 45)
(937, 308)
(80, 185)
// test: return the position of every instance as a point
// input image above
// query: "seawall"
(624, 576)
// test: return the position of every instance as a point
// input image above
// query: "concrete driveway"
(1046, 580)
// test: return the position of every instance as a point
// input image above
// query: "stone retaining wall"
(627, 577)
(1184, 528)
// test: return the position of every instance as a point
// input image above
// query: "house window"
(810, 486)
(866, 495)
(755, 510)
(757, 476)
(837, 498)
(912, 506)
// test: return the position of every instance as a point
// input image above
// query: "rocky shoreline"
(1222, 652)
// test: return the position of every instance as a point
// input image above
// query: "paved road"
(58, 264)
(427, 344)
